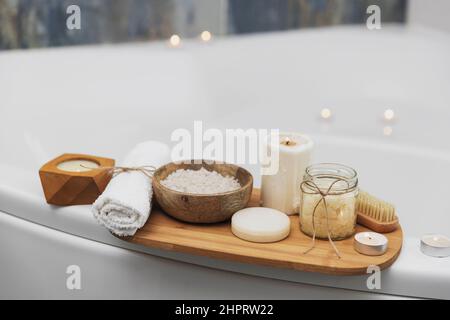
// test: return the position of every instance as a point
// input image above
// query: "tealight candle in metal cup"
(435, 245)
(370, 243)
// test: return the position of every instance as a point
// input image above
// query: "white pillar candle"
(370, 243)
(281, 191)
(77, 165)
(435, 245)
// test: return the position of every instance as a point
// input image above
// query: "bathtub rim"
(401, 279)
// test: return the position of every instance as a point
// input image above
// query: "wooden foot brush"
(376, 214)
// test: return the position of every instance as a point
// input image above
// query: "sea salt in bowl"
(198, 207)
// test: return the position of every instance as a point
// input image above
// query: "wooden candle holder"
(65, 188)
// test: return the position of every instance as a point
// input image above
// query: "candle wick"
(287, 142)
(87, 167)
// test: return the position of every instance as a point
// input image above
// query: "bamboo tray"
(217, 241)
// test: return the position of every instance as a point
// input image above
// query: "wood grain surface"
(217, 241)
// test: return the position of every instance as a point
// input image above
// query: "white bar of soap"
(260, 224)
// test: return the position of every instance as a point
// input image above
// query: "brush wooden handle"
(377, 226)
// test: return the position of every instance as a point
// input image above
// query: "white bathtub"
(102, 100)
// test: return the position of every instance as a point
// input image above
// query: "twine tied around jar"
(323, 194)
(146, 170)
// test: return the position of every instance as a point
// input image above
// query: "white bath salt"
(339, 218)
(200, 181)
(340, 221)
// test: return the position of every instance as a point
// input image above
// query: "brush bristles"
(375, 208)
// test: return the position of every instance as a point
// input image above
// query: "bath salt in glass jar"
(329, 192)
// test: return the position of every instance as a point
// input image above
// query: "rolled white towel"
(125, 205)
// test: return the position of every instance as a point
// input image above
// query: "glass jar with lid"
(328, 209)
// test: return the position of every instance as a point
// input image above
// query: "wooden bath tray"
(217, 241)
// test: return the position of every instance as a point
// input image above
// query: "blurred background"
(42, 23)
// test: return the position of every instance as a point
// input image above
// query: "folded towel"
(125, 205)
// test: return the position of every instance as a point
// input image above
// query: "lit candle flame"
(389, 114)
(387, 131)
(175, 41)
(325, 113)
(288, 142)
(206, 36)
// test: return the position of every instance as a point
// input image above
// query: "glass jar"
(337, 185)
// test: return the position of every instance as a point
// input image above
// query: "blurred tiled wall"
(42, 23)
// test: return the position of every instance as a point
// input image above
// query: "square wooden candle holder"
(72, 179)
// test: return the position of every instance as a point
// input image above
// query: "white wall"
(433, 13)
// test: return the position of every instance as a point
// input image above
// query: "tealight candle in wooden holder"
(73, 179)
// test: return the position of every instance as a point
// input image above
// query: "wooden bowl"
(203, 208)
